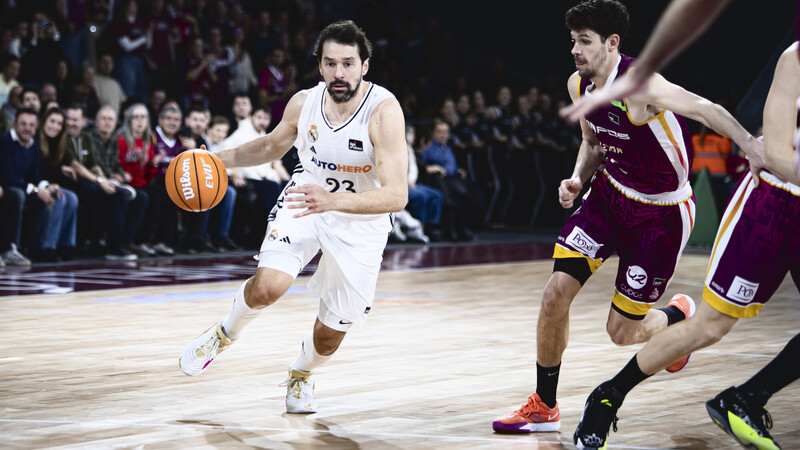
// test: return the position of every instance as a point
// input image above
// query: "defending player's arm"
(387, 133)
(270, 147)
(780, 117)
(590, 155)
(682, 22)
(662, 94)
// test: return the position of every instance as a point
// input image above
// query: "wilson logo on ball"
(196, 180)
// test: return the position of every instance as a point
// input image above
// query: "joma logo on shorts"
(742, 290)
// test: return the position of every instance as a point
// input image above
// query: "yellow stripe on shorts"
(725, 307)
(562, 252)
(629, 306)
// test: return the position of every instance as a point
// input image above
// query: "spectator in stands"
(445, 175)
(195, 223)
(106, 148)
(160, 55)
(242, 108)
(132, 37)
(261, 40)
(83, 91)
(198, 68)
(52, 139)
(161, 224)
(104, 200)
(158, 96)
(9, 71)
(30, 100)
(262, 184)
(273, 87)
(222, 214)
(109, 91)
(138, 160)
(711, 152)
(424, 202)
(55, 209)
(63, 80)
(10, 107)
(47, 94)
(243, 78)
(21, 40)
(221, 66)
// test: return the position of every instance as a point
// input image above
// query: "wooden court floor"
(444, 352)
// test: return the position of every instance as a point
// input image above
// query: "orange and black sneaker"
(685, 304)
(534, 417)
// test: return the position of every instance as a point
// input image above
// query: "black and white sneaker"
(599, 415)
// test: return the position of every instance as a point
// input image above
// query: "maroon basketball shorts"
(648, 232)
(756, 245)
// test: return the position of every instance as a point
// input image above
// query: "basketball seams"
(197, 184)
(176, 183)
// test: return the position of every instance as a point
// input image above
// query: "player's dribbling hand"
(310, 196)
(568, 191)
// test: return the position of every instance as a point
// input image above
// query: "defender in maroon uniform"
(637, 153)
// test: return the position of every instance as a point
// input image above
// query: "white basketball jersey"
(338, 158)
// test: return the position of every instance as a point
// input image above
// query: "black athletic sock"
(782, 370)
(674, 314)
(628, 377)
(547, 383)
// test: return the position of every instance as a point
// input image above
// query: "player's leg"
(581, 248)
(315, 350)
(259, 291)
(737, 285)
(740, 411)
(345, 280)
(657, 237)
(288, 246)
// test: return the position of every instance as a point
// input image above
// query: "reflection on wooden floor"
(444, 352)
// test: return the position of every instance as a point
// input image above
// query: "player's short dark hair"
(344, 32)
(605, 17)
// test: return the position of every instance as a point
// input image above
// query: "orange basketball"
(196, 180)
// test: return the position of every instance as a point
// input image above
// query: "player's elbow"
(398, 200)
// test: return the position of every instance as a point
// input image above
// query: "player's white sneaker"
(201, 351)
(300, 392)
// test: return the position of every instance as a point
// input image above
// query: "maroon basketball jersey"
(653, 157)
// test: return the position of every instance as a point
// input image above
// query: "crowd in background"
(116, 89)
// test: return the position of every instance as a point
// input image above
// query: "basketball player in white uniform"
(350, 137)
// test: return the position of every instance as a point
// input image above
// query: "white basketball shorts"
(352, 251)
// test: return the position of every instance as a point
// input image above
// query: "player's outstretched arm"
(270, 147)
(780, 117)
(387, 133)
(682, 22)
(662, 94)
(590, 155)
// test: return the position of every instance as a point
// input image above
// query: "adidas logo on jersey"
(286, 240)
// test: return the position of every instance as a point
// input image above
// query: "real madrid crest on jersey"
(313, 133)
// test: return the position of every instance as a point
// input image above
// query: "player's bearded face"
(342, 96)
(591, 65)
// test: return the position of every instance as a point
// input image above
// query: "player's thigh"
(648, 258)
(586, 240)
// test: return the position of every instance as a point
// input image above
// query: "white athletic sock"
(309, 359)
(239, 316)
